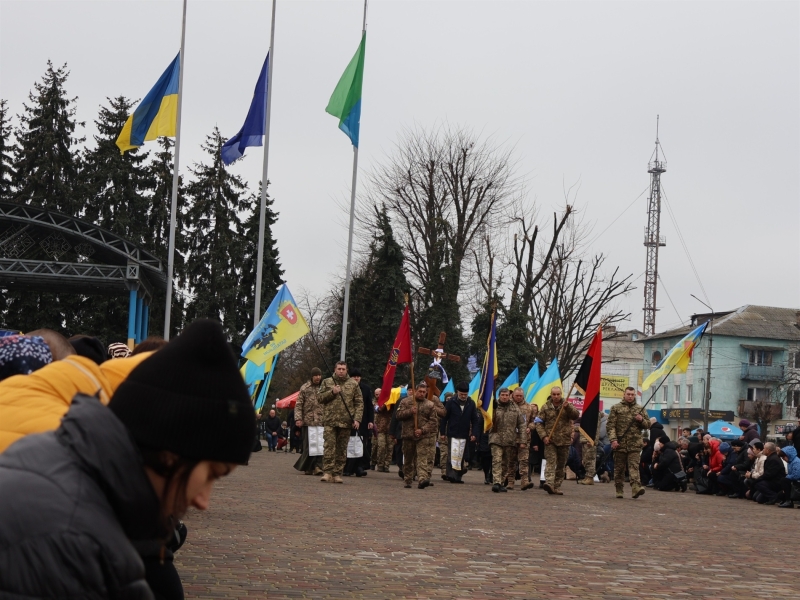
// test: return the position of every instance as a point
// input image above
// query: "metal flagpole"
(350, 236)
(176, 167)
(262, 215)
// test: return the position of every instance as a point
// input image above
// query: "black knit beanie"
(189, 398)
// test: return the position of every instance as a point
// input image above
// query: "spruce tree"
(214, 243)
(272, 273)
(48, 166)
(518, 350)
(6, 153)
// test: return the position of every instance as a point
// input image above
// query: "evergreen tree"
(272, 273)
(517, 348)
(48, 166)
(6, 153)
(215, 245)
(377, 298)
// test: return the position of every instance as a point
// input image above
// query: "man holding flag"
(555, 429)
(588, 382)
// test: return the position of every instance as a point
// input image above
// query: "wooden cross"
(435, 372)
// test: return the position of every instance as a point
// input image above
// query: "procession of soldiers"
(358, 435)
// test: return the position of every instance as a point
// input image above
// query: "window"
(666, 393)
(656, 357)
(634, 337)
(677, 398)
(761, 358)
(689, 388)
(794, 360)
(755, 394)
(793, 399)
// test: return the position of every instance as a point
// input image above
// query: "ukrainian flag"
(678, 358)
(530, 381)
(157, 115)
(550, 378)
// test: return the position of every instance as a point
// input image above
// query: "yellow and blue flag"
(678, 358)
(550, 378)
(475, 387)
(157, 115)
(512, 381)
(269, 368)
(486, 394)
(396, 394)
(450, 388)
(530, 381)
(280, 327)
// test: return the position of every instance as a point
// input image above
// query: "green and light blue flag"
(345, 102)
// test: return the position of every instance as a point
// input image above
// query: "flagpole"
(350, 235)
(175, 179)
(262, 215)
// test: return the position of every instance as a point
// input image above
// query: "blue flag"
(255, 124)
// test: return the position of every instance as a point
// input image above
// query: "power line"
(683, 243)
(597, 237)
(670, 299)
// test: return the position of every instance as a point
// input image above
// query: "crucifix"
(436, 372)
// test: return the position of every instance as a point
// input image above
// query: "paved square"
(273, 532)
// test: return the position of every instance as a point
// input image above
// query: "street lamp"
(707, 399)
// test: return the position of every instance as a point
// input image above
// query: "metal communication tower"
(652, 237)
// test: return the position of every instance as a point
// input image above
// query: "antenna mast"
(652, 237)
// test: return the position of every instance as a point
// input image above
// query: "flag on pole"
(396, 395)
(280, 327)
(262, 393)
(345, 102)
(157, 115)
(475, 387)
(448, 389)
(486, 393)
(512, 381)
(530, 380)
(255, 124)
(550, 378)
(401, 353)
(678, 358)
(588, 382)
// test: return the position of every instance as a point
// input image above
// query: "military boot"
(338, 479)
(639, 491)
(586, 481)
(326, 478)
(619, 492)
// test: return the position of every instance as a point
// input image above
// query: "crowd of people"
(421, 432)
(103, 450)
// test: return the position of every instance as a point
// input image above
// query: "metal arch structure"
(45, 250)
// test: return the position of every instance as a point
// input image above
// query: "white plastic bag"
(316, 441)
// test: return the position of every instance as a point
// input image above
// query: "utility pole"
(707, 399)
(652, 237)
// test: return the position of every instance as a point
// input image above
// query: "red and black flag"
(401, 353)
(588, 381)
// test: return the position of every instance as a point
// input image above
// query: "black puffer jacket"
(70, 501)
(668, 460)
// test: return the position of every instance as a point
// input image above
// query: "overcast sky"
(575, 86)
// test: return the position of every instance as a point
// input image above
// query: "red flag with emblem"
(400, 354)
(588, 381)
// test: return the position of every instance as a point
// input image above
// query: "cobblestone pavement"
(272, 532)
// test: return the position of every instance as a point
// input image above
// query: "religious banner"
(613, 386)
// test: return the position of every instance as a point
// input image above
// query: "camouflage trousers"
(444, 455)
(385, 447)
(420, 453)
(335, 450)
(589, 458)
(623, 459)
(502, 463)
(556, 457)
(519, 461)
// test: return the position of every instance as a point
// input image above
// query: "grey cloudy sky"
(575, 86)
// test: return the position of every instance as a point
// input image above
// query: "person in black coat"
(743, 464)
(461, 422)
(668, 464)
(360, 465)
(272, 425)
(770, 483)
(90, 510)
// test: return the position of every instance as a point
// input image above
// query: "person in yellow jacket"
(35, 403)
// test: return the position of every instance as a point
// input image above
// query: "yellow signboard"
(613, 386)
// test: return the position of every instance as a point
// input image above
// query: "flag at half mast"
(157, 115)
(345, 102)
(255, 124)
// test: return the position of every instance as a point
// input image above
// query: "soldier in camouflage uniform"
(626, 422)
(556, 433)
(308, 413)
(589, 448)
(385, 443)
(419, 444)
(523, 454)
(506, 438)
(343, 407)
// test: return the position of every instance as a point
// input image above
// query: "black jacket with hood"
(71, 501)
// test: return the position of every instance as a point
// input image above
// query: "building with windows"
(755, 369)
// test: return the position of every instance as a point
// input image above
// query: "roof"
(748, 321)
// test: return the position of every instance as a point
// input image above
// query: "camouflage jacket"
(308, 409)
(428, 415)
(525, 409)
(383, 418)
(623, 427)
(342, 409)
(562, 436)
(508, 425)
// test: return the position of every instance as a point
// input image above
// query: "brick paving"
(275, 533)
